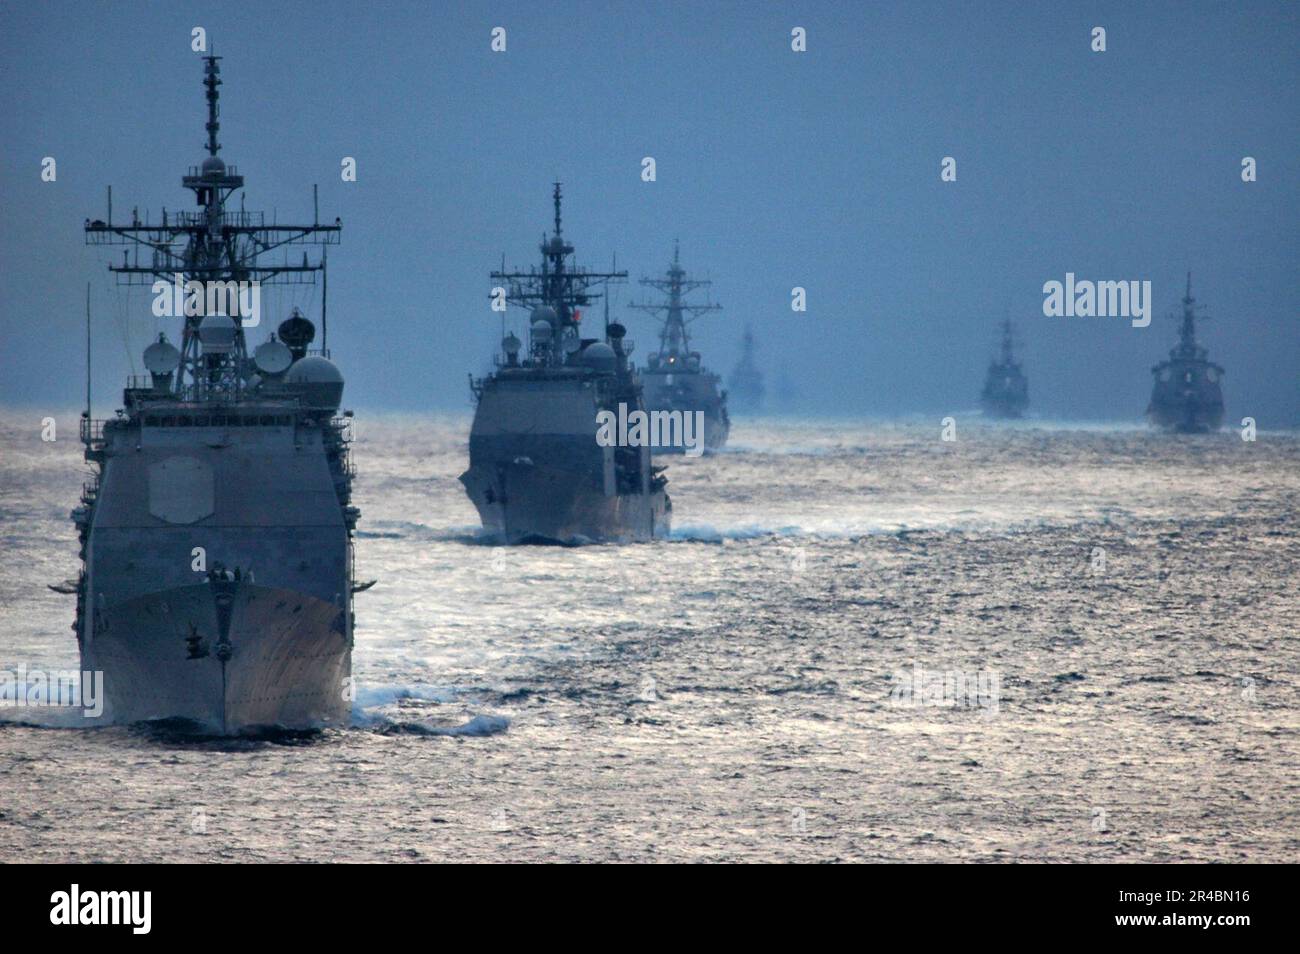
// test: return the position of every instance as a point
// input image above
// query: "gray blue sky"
(775, 169)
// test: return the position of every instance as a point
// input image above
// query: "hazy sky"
(774, 168)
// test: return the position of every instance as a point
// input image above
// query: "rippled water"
(734, 692)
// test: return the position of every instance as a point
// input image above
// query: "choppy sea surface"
(1121, 607)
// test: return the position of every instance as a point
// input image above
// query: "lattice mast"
(1187, 346)
(210, 245)
(1007, 355)
(674, 340)
(560, 285)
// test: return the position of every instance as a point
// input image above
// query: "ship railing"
(245, 220)
(139, 382)
(92, 431)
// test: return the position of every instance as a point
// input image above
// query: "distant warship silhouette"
(537, 473)
(674, 378)
(746, 390)
(1006, 389)
(1187, 397)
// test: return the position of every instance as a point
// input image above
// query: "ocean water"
(1108, 619)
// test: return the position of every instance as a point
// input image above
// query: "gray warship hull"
(1005, 397)
(254, 657)
(218, 568)
(689, 392)
(538, 475)
(525, 503)
(1186, 406)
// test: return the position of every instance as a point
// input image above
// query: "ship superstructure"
(675, 380)
(537, 471)
(216, 536)
(1187, 396)
(1006, 389)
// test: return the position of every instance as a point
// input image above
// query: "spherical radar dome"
(217, 334)
(319, 380)
(161, 357)
(272, 357)
(599, 356)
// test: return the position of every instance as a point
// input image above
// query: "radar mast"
(559, 285)
(212, 247)
(674, 340)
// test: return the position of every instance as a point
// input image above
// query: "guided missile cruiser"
(674, 378)
(216, 534)
(537, 471)
(1187, 396)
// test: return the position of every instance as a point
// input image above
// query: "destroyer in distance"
(676, 382)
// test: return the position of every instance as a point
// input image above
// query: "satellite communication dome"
(543, 313)
(214, 166)
(510, 344)
(541, 331)
(272, 357)
(616, 330)
(161, 357)
(599, 357)
(319, 380)
(217, 334)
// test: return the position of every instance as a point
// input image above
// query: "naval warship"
(673, 377)
(216, 534)
(1188, 394)
(1006, 389)
(746, 388)
(537, 471)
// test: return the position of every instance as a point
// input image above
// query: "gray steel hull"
(528, 503)
(1187, 410)
(715, 437)
(688, 392)
(289, 659)
(1006, 392)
